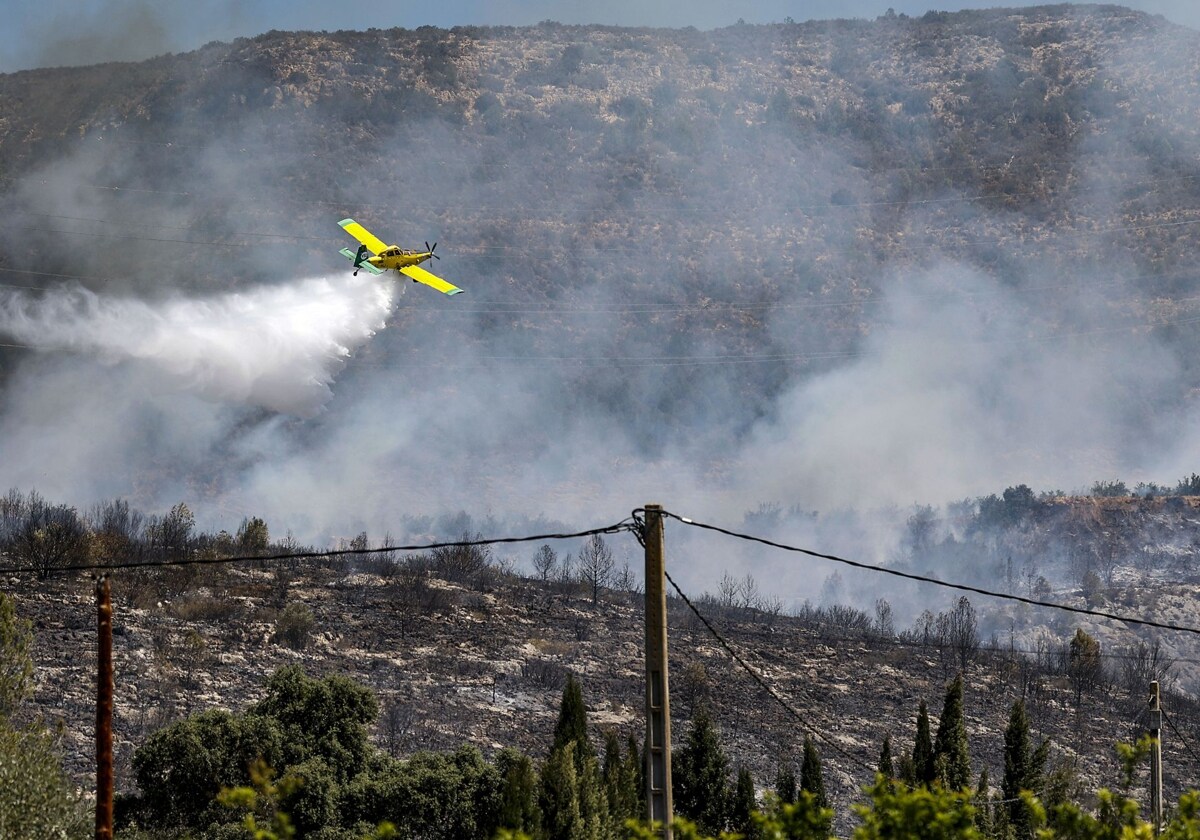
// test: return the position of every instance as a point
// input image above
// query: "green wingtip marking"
(345, 222)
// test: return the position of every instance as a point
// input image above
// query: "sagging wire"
(962, 587)
(616, 528)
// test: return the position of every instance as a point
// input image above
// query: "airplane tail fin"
(359, 260)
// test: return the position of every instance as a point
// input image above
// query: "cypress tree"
(593, 805)
(572, 722)
(785, 783)
(950, 748)
(983, 807)
(635, 776)
(812, 779)
(1023, 769)
(700, 777)
(558, 796)
(887, 768)
(620, 779)
(922, 755)
(518, 791)
(742, 804)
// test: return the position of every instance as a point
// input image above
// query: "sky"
(70, 32)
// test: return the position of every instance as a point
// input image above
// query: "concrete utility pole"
(104, 709)
(1156, 802)
(658, 702)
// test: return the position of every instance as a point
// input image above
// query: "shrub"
(294, 626)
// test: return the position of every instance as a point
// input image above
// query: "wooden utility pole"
(658, 702)
(104, 709)
(1156, 803)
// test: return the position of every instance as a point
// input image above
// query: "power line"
(1186, 744)
(763, 683)
(1145, 622)
(617, 528)
(897, 641)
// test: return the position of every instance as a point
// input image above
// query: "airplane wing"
(363, 235)
(422, 276)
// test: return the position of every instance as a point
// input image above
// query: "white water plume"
(278, 347)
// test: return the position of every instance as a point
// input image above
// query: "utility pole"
(1156, 802)
(658, 702)
(104, 709)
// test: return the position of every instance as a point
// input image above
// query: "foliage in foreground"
(36, 798)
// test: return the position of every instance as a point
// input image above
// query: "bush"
(294, 626)
(36, 797)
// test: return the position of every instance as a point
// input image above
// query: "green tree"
(635, 772)
(518, 793)
(983, 806)
(327, 718)
(1085, 668)
(558, 796)
(37, 799)
(812, 778)
(253, 537)
(700, 775)
(803, 819)
(1022, 771)
(922, 754)
(785, 782)
(593, 807)
(16, 663)
(571, 726)
(950, 747)
(438, 796)
(309, 796)
(181, 768)
(887, 767)
(742, 804)
(620, 781)
(900, 813)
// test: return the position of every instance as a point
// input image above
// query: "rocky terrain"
(469, 651)
(666, 234)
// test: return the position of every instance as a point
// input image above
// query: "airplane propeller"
(431, 250)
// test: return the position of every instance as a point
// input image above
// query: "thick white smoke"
(277, 347)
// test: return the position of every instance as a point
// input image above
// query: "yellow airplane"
(392, 257)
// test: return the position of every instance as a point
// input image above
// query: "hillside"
(458, 648)
(834, 281)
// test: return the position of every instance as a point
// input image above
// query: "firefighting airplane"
(393, 257)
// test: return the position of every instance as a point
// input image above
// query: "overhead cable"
(963, 587)
(791, 710)
(616, 528)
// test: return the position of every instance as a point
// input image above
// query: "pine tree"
(886, 767)
(572, 722)
(742, 804)
(950, 747)
(922, 755)
(701, 777)
(812, 779)
(785, 783)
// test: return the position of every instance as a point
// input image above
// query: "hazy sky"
(57, 32)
